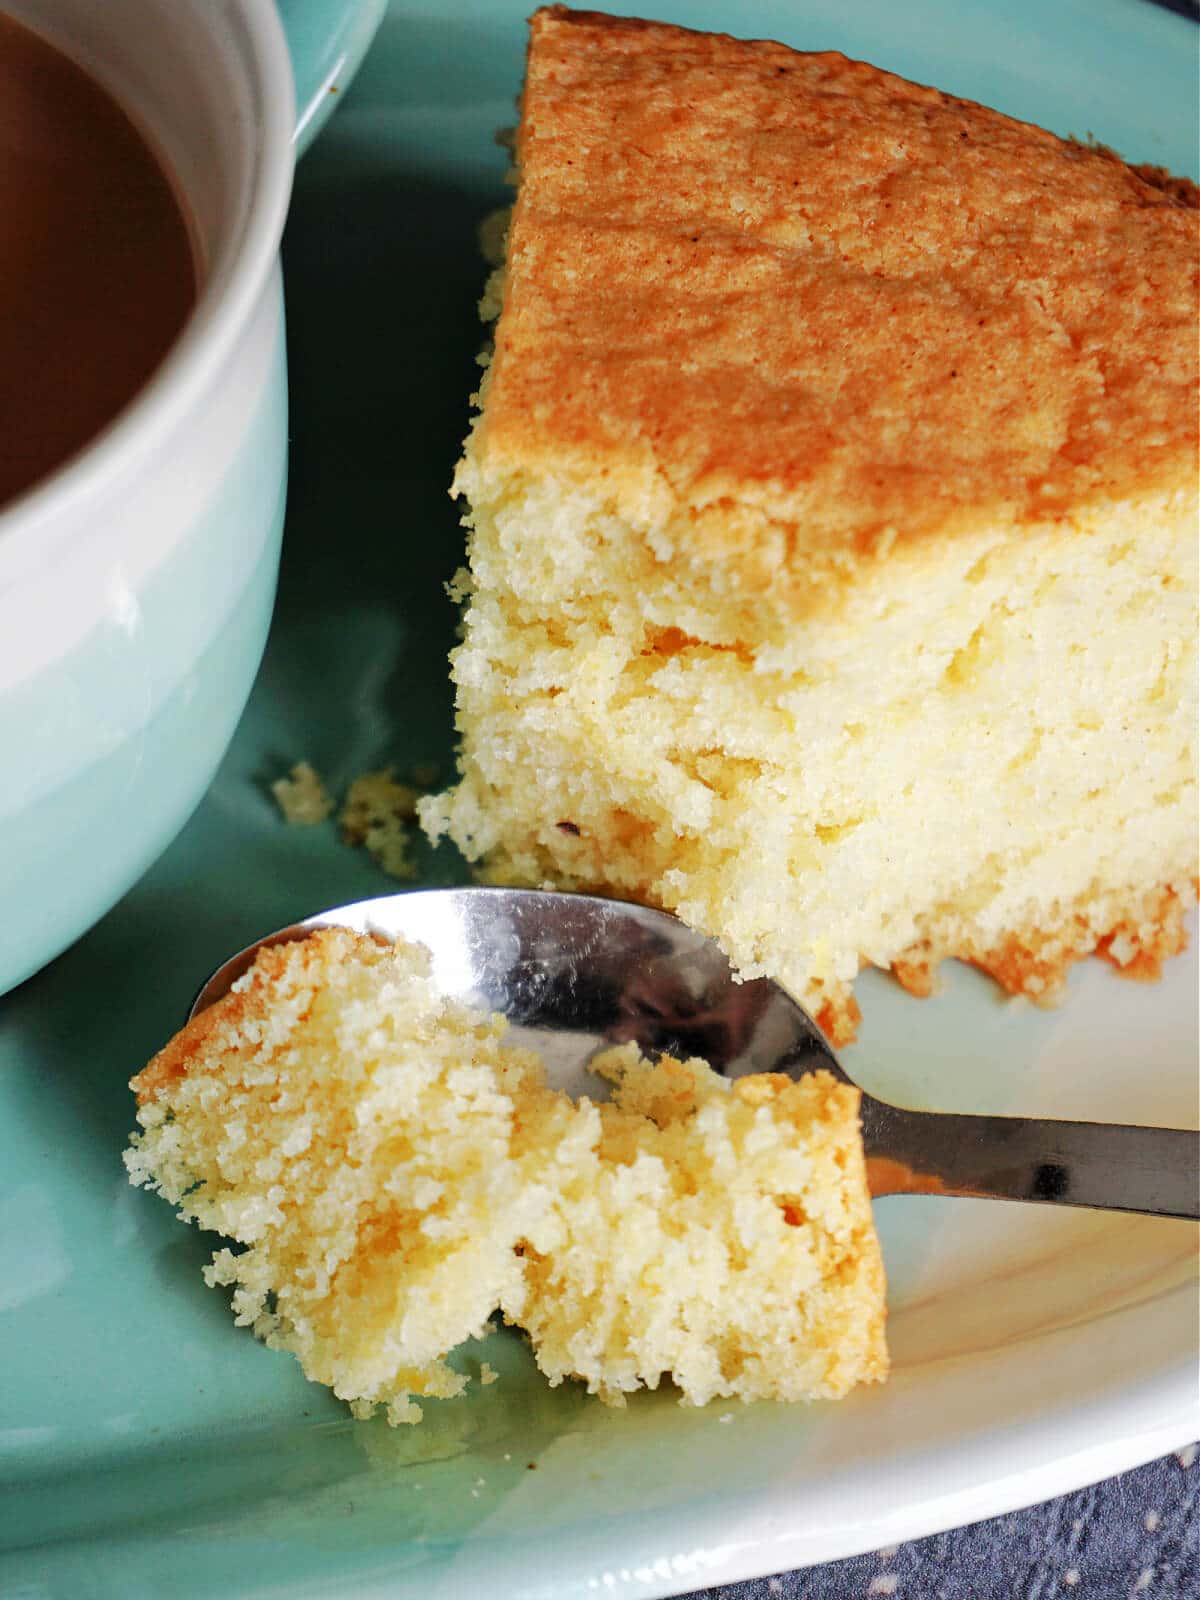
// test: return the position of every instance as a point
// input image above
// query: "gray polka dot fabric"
(1130, 1537)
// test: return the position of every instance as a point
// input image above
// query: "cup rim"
(216, 319)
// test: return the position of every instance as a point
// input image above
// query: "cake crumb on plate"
(302, 796)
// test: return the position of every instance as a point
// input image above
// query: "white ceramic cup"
(136, 583)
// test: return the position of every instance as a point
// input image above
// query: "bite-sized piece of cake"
(394, 1173)
(833, 509)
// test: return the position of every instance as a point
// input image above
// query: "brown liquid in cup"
(97, 275)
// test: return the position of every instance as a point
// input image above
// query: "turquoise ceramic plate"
(146, 1446)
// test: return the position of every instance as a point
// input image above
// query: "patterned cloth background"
(1131, 1537)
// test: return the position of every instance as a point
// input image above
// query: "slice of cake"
(391, 1173)
(833, 510)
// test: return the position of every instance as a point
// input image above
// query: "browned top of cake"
(740, 276)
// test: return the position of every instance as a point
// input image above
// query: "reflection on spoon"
(576, 974)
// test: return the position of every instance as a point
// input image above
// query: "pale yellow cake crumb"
(390, 1173)
(378, 813)
(302, 796)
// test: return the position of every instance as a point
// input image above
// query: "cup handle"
(327, 40)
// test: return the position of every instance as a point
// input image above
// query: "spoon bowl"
(575, 974)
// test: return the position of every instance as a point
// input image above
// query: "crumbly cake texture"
(833, 509)
(391, 1173)
(378, 814)
(302, 796)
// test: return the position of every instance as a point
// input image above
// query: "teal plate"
(147, 1446)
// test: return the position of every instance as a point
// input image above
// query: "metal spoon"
(576, 973)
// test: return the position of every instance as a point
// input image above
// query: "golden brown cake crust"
(1150, 928)
(803, 308)
(1035, 962)
(190, 1049)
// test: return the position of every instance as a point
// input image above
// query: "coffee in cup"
(97, 272)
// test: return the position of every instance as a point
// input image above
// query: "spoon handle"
(1105, 1165)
